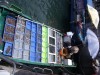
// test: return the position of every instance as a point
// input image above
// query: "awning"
(93, 13)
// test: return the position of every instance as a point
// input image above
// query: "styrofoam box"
(26, 52)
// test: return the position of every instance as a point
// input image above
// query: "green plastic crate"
(44, 29)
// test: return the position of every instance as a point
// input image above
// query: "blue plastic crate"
(33, 34)
(11, 31)
(33, 49)
(33, 39)
(38, 59)
(34, 27)
(13, 22)
(28, 25)
(33, 44)
(39, 40)
(8, 49)
(39, 29)
(32, 54)
(38, 55)
(8, 38)
(33, 59)
(39, 47)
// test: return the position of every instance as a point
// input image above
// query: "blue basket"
(33, 49)
(7, 31)
(10, 17)
(38, 59)
(8, 49)
(7, 37)
(33, 34)
(28, 25)
(39, 29)
(34, 27)
(38, 54)
(33, 59)
(33, 39)
(39, 47)
(33, 44)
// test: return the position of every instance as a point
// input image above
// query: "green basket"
(44, 29)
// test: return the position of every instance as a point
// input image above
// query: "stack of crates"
(27, 40)
(52, 46)
(44, 44)
(18, 38)
(33, 42)
(39, 43)
(8, 36)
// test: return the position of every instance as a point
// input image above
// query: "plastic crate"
(33, 34)
(52, 40)
(16, 44)
(33, 48)
(32, 54)
(8, 38)
(38, 59)
(10, 20)
(15, 53)
(20, 28)
(44, 55)
(26, 46)
(34, 27)
(32, 59)
(19, 36)
(39, 47)
(44, 49)
(44, 34)
(8, 49)
(44, 60)
(44, 39)
(51, 49)
(20, 54)
(26, 52)
(33, 39)
(33, 44)
(51, 33)
(44, 29)
(28, 25)
(21, 21)
(52, 58)
(26, 57)
(39, 29)
(9, 29)
(44, 44)
(38, 54)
